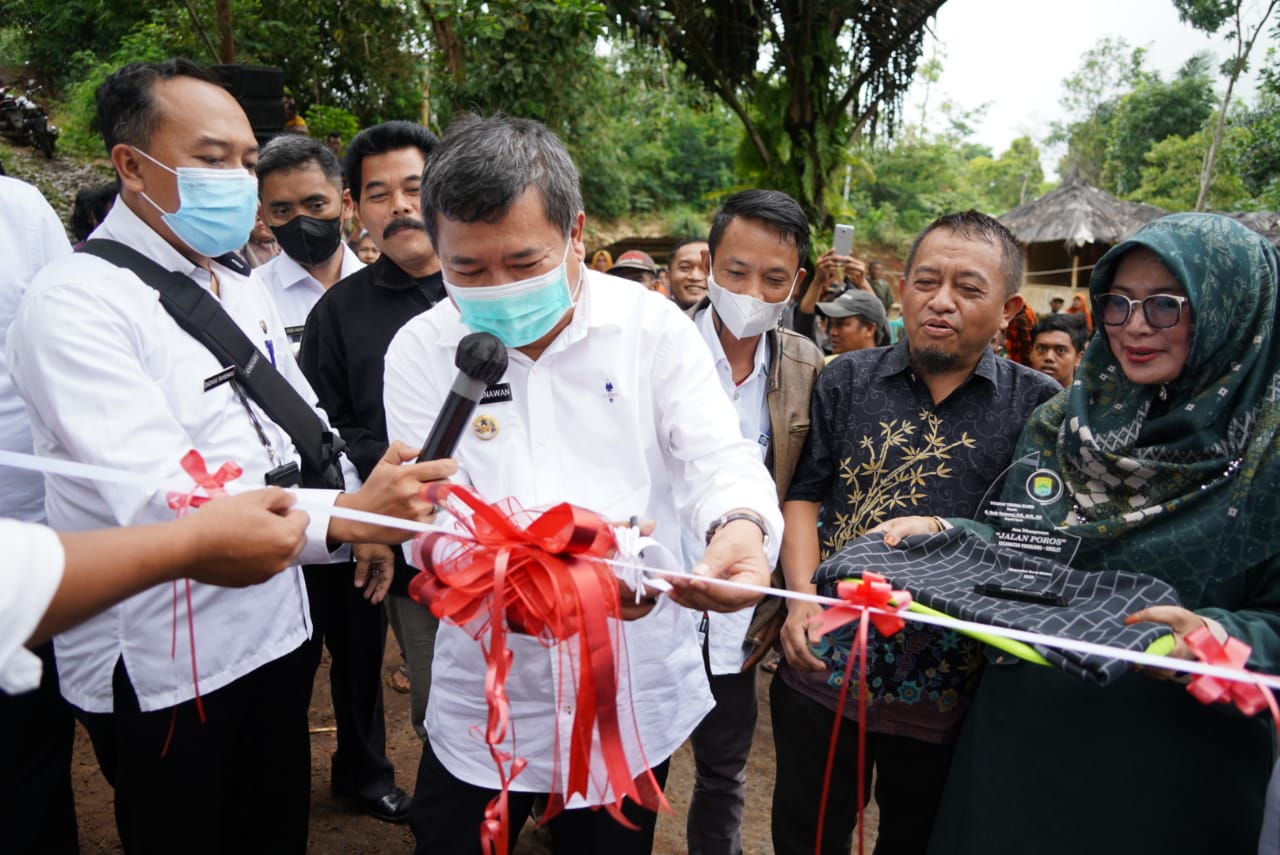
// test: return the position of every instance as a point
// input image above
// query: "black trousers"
(240, 782)
(910, 776)
(446, 814)
(356, 634)
(37, 730)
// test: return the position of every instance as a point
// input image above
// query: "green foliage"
(359, 55)
(1170, 176)
(1121, 109)
(52, 32)
(147, 42)
(804, 77)
(323, 120)
(524, 57)
(902, 186)
(1257, 135)
(1154, 111)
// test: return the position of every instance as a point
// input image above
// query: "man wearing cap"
(638, 267)
(753, 264)
(855, 320)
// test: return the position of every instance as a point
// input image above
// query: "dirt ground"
(336, 830)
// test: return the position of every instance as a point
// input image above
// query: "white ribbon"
(637, 548)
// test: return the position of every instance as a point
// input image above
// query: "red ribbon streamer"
(873, 591)
(214, 485)
(545, 579)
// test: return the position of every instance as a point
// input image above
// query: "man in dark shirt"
(923, 427)
(343, 345)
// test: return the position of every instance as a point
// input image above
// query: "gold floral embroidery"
(893, 476)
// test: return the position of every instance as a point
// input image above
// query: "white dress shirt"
(31, 235)
(110, 379)
(295, 291)
(29, 576)
(621, 414)
(727, 632)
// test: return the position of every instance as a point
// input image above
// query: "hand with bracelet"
(735, 551)
(896, 529)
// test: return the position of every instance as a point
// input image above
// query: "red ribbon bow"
(543, 578)
(1248, 697)
(214, 485)
(861, 597)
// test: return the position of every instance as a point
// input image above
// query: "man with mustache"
(350, 328)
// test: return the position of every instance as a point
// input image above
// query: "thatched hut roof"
(1076, 215)
(1265, 223)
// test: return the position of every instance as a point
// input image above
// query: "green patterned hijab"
(1182, 481)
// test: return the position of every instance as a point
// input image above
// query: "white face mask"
(743, 315)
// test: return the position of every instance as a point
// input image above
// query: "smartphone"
(843, 241)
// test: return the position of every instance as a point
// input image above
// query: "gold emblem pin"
(485, 427)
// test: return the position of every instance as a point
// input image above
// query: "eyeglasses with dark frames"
(1162, 311)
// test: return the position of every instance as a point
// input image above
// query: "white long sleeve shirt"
(29, 577)
(31, 236)
(110, 379)
(727, 632)
(621, 414)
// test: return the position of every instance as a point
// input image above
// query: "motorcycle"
(25, 122)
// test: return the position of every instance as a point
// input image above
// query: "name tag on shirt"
(294, 333)
(223, 376)
(496, 394)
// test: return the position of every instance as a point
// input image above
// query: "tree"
(1122, 109)
(1007, 182)
(1153, 111)
(1090, 96)
(360, 55)
(1210, 16)
(1172, 165)
(804, 77)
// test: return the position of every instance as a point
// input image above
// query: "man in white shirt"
(300, 190)
(610, 402)
(752, 267)
(194, 695)
(37, 729)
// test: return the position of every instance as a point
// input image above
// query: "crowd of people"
(297, 308)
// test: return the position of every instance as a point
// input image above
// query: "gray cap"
(857, 302)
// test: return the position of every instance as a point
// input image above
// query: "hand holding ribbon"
(542, 574)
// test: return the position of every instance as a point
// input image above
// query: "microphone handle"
(452, 421)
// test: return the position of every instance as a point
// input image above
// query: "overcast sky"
(1014, 54)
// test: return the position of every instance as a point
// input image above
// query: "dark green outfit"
(1181, 482)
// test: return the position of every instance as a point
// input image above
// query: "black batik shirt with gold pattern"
(878, 448)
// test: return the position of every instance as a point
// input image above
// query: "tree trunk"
(1211, 156)
(226, 42)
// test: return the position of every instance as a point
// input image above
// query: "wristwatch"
(749, 516)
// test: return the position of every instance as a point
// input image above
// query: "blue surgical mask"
(216, 207)
(518, 313)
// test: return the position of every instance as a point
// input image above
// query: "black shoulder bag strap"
(203, 318)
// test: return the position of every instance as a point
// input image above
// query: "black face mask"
(309, 241)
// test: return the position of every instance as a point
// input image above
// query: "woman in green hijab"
(1168, 451)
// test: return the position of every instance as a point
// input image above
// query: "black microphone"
(481, 360)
